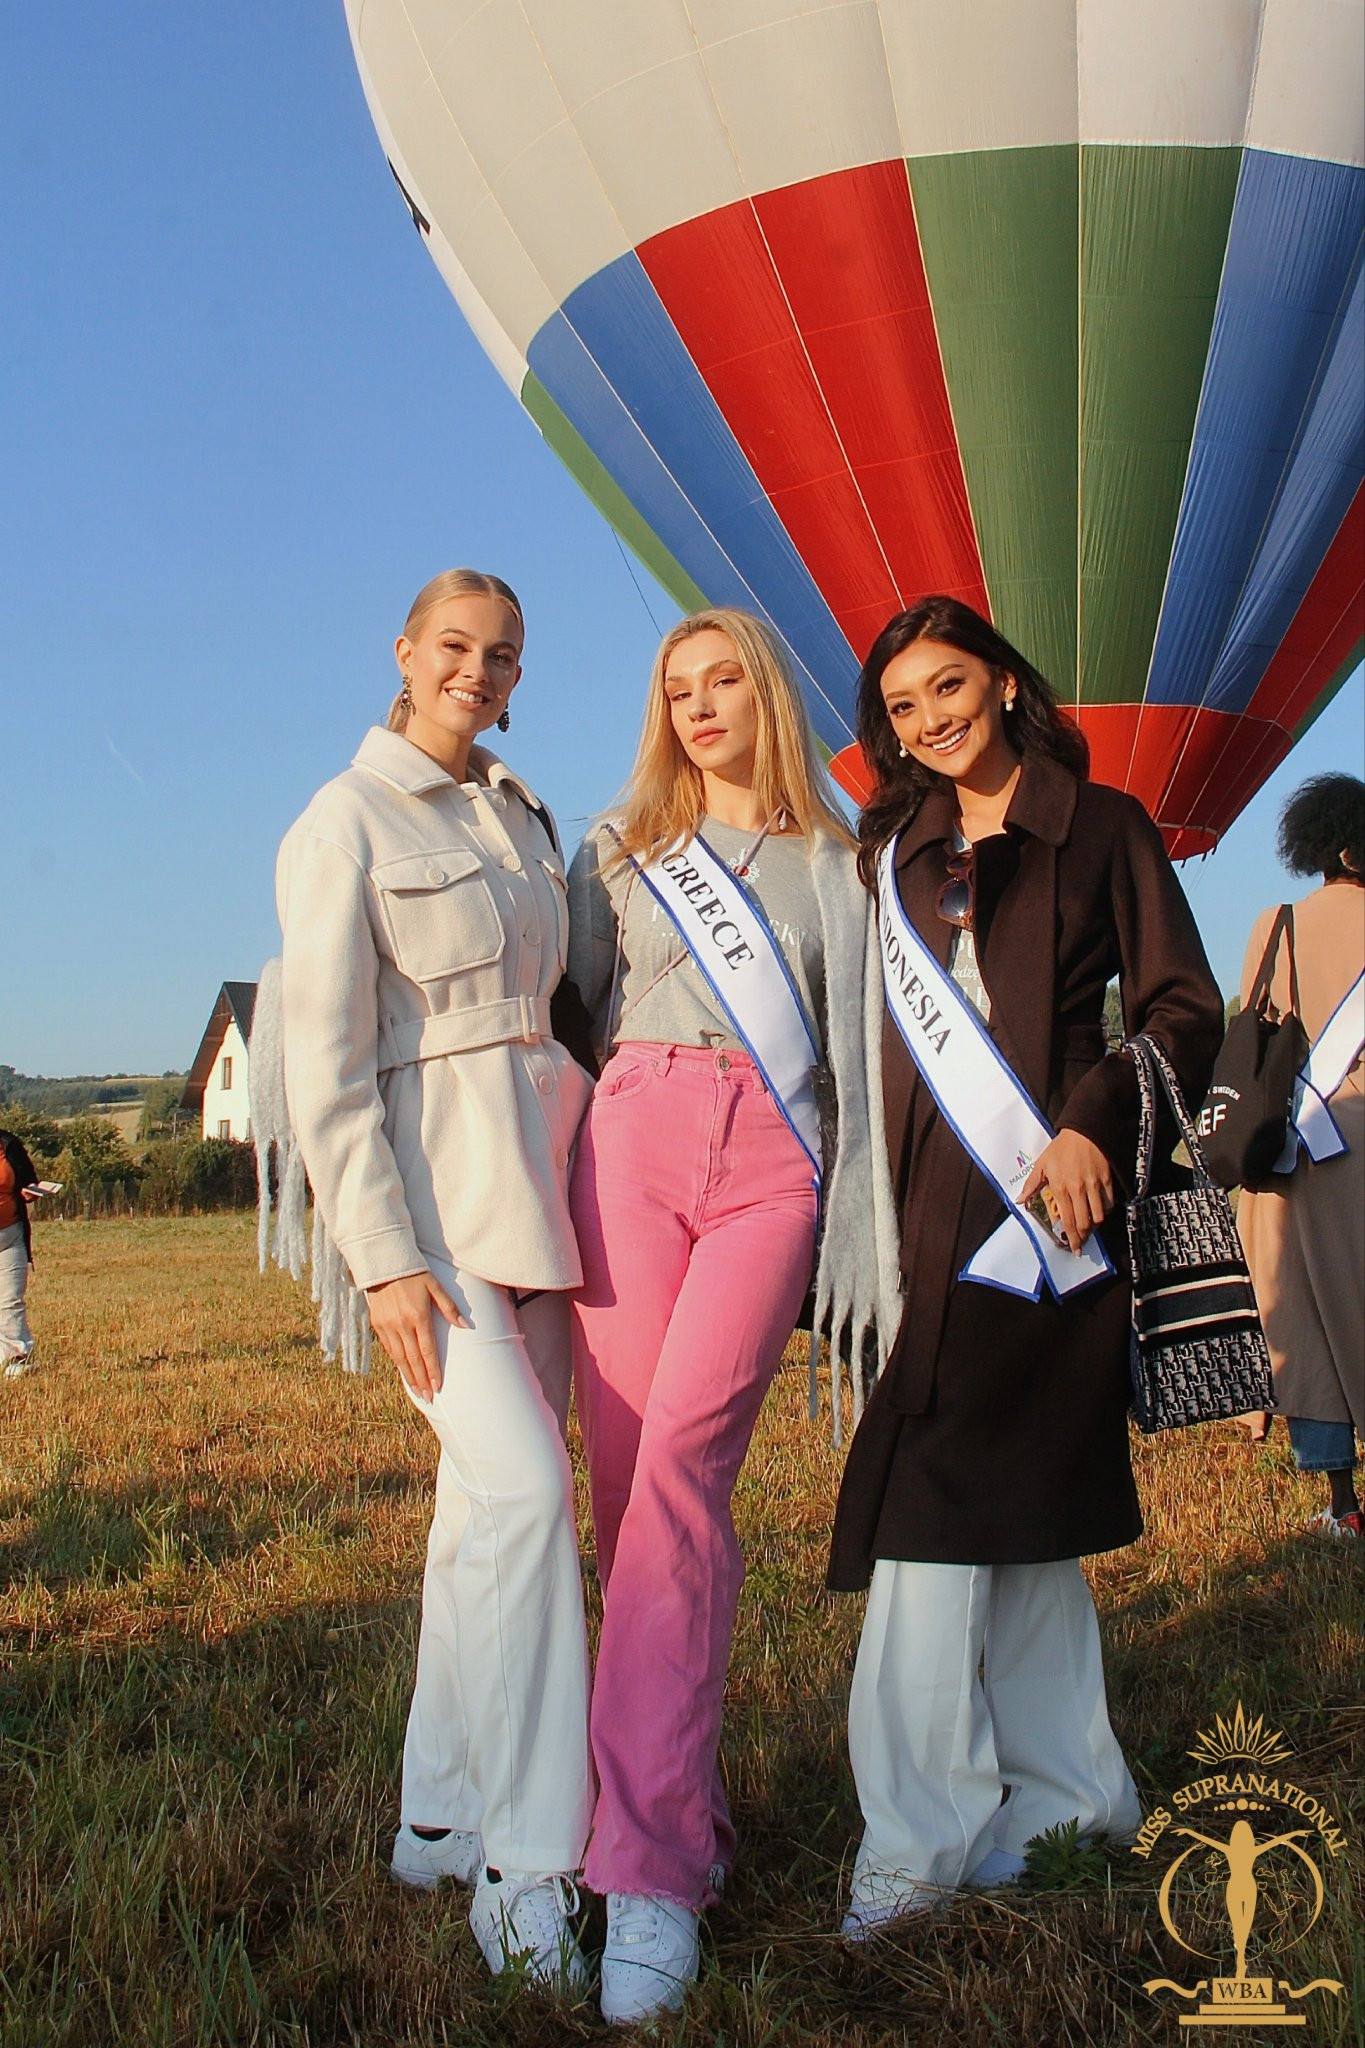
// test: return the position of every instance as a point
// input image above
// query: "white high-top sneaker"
(523, 1918)
(423, 1860)
(650, 1958)
(880, 1898)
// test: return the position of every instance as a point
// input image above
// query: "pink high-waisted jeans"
(695, 1215)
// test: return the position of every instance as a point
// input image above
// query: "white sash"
(727, 935)
(983, 1102)
(1335, 1051)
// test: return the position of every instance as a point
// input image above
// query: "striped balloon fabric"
(1054, 305)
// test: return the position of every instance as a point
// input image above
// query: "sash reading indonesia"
(983, 1102)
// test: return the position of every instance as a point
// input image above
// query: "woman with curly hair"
(1304, 1236)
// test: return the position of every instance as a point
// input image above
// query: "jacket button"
(545, 1082)
(511, 863)
(436, 874)
(497, 799)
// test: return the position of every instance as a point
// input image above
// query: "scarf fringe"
(848, 1331)
(343, 1317)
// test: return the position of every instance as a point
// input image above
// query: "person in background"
(422, 898)
(1304, 1237)
(993, 1453)
(721, 941)
(18, 1180)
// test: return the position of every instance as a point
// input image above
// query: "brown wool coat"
(998, 1431)
(1304, 1237)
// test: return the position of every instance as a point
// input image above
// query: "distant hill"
(76, 1094)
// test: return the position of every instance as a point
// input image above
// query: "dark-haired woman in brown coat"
(993, 1453)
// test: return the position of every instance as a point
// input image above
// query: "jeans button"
(723, 1062)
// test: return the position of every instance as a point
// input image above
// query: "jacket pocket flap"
(433, 870)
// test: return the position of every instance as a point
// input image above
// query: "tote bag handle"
(1151, 1062)
(1260, 992)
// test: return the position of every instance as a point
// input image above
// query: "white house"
(217, 1083)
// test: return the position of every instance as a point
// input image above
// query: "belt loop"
(528, 1027)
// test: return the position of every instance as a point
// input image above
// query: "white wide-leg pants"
(935, 1745)
(497, 1738)
(16, 1338)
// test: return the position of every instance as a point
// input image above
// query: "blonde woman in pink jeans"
(720, 940)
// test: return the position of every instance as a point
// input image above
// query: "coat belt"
(407, 1042)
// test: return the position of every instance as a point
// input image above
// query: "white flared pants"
(16, 1338)
(497, 1738)
(974, 1681)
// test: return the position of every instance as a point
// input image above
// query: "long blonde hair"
(662, 804)
(450, 583)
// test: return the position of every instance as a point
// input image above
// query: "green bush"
(188, 1175)
(38, 1134)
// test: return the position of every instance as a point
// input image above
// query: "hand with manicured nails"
(1080, 1182)
(400, 1316)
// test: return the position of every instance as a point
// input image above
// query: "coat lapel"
(1017, 874)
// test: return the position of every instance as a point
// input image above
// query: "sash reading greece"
(1335, 1051)
(729, 938)
(987, 1108)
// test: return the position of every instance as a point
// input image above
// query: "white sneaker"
(997, 1867)
(522, 1919)
(18, 1367)
(1348, 1525)
(423, 1860)
(650, 1958)
(881, 1898)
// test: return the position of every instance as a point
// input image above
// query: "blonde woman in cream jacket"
(423, 905)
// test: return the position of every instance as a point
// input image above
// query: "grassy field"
(211, 1546)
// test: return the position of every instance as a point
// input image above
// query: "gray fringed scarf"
(343, 1319)
(857, 1275)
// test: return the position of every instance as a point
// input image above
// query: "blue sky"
(243, 422)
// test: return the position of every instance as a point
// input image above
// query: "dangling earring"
(504, 720)
(1009, 703)
(904, 751)
(405, 696)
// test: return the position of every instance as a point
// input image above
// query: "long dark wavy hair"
(1036, 725)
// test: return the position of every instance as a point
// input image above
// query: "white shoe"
(1351, 1524)
(522, 1919)
(650, 1958)
(882, 1898)
(423, 1860)
(997, 1867)
(18, 1367)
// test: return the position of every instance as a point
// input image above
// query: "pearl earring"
(904, 751)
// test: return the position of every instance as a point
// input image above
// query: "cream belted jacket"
(424, 929)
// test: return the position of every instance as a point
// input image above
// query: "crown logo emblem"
(1240, 1737)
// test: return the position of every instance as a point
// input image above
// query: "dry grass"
(211, 1545)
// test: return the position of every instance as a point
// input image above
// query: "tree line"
(76, 1094)
(101, 1175)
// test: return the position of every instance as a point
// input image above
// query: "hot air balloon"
(1054, 305)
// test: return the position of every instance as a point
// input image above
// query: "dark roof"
(235, 1004)
(241, 997)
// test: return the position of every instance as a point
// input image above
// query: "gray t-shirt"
(662, 996)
